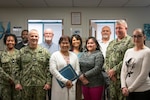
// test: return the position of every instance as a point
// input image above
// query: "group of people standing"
(32, 72)
(127, 65)
(24, 73)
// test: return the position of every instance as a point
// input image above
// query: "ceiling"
(73, 3)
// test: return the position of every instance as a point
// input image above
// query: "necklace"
(66, 57)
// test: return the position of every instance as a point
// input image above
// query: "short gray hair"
(33, 30)
(122, 22)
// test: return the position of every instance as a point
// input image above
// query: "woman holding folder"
(58, 61)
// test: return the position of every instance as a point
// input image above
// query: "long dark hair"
(78, 38)
(141, 31)
(95, 40)
(144, 35)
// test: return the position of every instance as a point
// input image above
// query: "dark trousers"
(139, 95)
(78, 90)
(106, 95)
(49, 94)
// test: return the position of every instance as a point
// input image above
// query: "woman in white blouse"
(135, 81)
(59, 60)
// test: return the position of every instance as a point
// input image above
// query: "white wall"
(135, 17)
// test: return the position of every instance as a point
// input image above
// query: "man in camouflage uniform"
(35, 75)
(114, 58)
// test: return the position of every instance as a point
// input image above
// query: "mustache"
(48, 38)
(105, 36)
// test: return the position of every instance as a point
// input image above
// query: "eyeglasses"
(137, 36)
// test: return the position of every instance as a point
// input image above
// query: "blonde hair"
(122, 22)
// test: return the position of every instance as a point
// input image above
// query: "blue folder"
(69, 73)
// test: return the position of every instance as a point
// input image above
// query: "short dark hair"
(24, 31)
(7, 35)
(64, 37)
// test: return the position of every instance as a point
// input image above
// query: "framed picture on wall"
(75, 18)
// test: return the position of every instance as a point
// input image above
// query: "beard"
(105, 36)
(25, 40)
(48, 38)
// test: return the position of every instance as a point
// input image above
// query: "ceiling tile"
(59, 3)
(138, 3)
(112, 3)
(74, 3)
(86, 3)
(32, 3)
(9, 3)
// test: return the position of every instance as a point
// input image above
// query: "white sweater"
(139, 67)
(57, 62)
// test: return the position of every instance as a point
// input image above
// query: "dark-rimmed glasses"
(137, 36)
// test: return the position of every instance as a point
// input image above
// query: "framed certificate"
(75, 18)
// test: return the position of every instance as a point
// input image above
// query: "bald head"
(48, 35)
(106, 32)
(48, 31)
